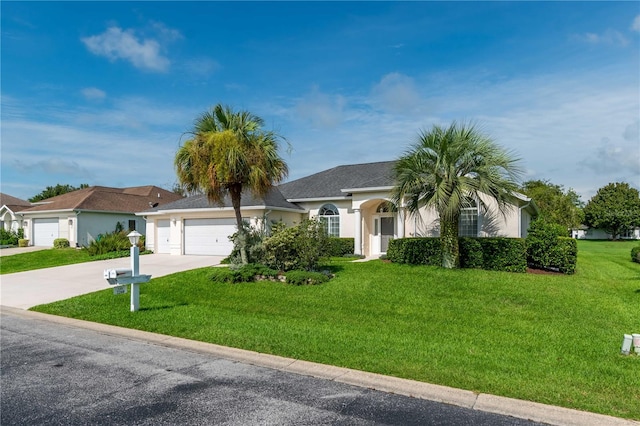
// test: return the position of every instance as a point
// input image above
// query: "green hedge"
(60, 243)
(338, 247)
(415, 251)
(504, 254)
(497, 254)
(635, 254)
(547, 248)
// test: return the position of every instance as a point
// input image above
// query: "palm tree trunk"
(449, 243)
(235, 191)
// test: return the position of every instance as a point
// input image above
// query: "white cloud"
(115, 44)
(608, 37)
(396, 93)
(322, 110)
(93, 94)
(635, 26)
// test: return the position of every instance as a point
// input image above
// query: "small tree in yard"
(615, 209)
(298, 247)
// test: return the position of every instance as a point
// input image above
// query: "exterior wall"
(347, 222)
(599, 234)
(63, 224)
(90, 225)
(176, 223)
(9, 220)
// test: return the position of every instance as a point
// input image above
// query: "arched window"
(330, 217)
(468, 222)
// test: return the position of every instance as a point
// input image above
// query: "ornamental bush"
(497, 254)
(297, 247)
(470, 253)
(635, 254)
(415, 251)
(60, 243)
(338, 247)
(548, 248)
(504, 254)
(9, 238)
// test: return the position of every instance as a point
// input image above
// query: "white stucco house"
(9, 212)
(586, 233)
(80, 216)
(351, 199)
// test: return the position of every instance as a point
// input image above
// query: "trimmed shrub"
(338, 247)
(635, 254)
(244, 274)
(470, 253)
(298, 247)
(10, 238)
(548, 248)
(60, 243)
(114, 241)
(415, 251)
(23, 242)
(504, 254)
(306, 278)
(496, 254)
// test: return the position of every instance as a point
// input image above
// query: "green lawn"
(550, 339)
(42, 259)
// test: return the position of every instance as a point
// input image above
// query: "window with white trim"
(468, 222)
(330, 218)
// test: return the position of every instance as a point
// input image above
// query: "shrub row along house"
(353, 200)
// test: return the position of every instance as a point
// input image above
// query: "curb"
(483, 402)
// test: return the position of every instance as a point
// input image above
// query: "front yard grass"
(42, 259)
(553, 339)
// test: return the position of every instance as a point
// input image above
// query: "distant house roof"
(14, 204)
(273, 199)
(331, 183)
(102, 198)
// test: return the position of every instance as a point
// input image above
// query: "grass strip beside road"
(545, 338)
(42, 259)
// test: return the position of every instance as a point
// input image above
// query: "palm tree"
(227, 154)
(447, 169)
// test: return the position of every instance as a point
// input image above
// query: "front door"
(383, 232)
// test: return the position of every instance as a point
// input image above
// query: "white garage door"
(162, 243)
(208, 236)
(45, 231)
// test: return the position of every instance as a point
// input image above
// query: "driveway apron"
(27, 289)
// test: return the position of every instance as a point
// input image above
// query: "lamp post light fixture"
(134, 237)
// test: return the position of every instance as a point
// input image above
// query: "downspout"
(520, 218)
(77, 212)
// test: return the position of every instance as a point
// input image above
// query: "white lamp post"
(134, 237)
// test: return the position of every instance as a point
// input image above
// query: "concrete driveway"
(27, 289)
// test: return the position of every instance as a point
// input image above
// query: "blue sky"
(103, 92)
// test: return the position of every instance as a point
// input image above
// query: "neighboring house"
(353, 200)
(80, 216)
(9, 219)
(586, 233)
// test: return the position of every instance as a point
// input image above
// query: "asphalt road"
(64, 375)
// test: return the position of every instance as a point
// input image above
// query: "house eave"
(308, 200)
(370, 189)
(218, 209)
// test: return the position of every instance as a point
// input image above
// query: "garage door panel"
(208, 236)
(164, 234)
(45, 230)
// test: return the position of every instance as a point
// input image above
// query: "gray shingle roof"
(330, 183)
(273, 199)
(13, 203)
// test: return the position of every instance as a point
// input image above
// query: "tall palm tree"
(447, 169)
(229, 153)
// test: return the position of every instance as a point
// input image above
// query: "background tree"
(52, 191)
(615, 208)
(555, 204)
(447, 169)
(228, 153)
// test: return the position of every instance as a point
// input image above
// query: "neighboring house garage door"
(208, 236)
(163, 236)
(45, 231)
